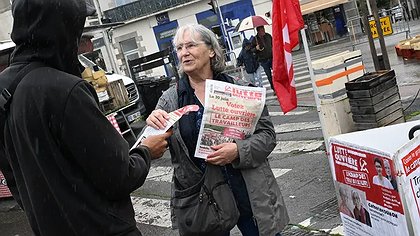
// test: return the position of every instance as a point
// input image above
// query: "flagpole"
(315, 89)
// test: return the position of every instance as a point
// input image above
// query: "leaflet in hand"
(173, 117)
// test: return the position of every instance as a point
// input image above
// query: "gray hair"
(354, 194)
(209, 38)
(342, 191)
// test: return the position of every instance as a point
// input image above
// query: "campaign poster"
(367, 192)
(410, 178)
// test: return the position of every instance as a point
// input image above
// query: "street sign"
(385, 25)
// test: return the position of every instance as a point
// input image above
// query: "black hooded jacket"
(247, 58)
(66, 165)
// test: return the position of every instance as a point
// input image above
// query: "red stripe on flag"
(287, 21)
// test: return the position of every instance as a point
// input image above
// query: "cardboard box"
(378, 170)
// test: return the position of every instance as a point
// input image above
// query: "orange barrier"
(330, 80)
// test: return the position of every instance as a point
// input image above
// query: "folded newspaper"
(230, 112)
(173, 117)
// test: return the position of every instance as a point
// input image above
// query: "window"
(129, 45)
(130, 50)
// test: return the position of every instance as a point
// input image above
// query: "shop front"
(328, 20)
(326, 25)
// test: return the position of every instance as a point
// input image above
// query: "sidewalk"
(406, 71)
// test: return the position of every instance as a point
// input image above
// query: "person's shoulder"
(54, 75)
(171, 93)
(388, 183)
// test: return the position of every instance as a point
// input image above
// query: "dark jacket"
(72, 170)
(265, 42)
(247, 58)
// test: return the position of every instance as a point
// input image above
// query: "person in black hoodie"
(66, 165)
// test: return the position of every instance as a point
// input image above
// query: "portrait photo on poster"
(384, 174)
(352, 203)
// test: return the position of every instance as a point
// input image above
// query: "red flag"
(287, 21)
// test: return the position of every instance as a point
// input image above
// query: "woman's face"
(387, 169)
(378, 167)
(356, 201)
(194, 55)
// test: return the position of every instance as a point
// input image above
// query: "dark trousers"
(268, 65)
(248, 227)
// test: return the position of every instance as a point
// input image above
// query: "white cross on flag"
(287, 21)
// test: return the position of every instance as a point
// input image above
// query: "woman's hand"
(157, 119)
(223, 154)
(259, 48)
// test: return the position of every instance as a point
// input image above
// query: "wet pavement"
(306, 181)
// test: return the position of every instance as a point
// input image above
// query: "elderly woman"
(360, 213)
(243, 162)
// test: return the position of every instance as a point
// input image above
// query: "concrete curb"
(8, 204)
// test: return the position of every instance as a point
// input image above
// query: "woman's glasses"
(188, 46)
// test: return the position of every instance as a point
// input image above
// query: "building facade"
(149, 25)
(150, 29)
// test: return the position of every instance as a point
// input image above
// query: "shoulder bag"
(207, 208)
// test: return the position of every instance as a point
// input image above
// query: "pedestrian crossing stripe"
(292, 127)
(279, 172)
(307, 90)
(290, 113)
(164, 173)
(150, 211)
(297, 146)
(160, 173)
(157, 212)
(339, 230)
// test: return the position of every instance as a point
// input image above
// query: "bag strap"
(7, 93)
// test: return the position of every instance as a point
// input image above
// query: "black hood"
(48, 31)
(246, 42)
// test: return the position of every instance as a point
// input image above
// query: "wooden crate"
(375, 100)
(118, 96)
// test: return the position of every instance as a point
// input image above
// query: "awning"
(309, 6)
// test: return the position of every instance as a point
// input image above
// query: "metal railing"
(398, 22)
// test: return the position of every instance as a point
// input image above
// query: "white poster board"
(372, 190)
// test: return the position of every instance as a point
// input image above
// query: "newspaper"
(173, 117)
(230, 112)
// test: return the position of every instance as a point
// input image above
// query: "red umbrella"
(252, 22)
